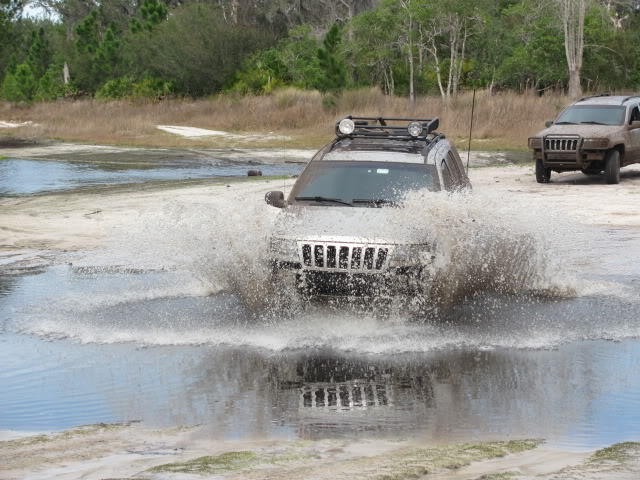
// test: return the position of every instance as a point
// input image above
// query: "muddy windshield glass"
(592, 114)
(362, 183)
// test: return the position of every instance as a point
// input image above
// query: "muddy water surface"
(28, 176)
(155, 327)
(500, 367)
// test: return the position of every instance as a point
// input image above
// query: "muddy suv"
(334, 238)
(595, 134)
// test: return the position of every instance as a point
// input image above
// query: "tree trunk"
(66, 77)
(434, 52)
(575, 89)
(573, 13)
(412, 94)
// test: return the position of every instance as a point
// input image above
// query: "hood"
(586, 131)
(350, 225)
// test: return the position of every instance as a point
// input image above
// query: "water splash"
(510, 275)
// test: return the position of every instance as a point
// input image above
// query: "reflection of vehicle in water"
(335, 393)
(328, 241)
(340, 384)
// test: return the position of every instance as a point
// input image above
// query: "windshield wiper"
(592, 122)
(375, 201)
(564, 123)
(324, 199)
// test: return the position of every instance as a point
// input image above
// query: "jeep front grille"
(561, 144)
(345, 258)
(347, 395)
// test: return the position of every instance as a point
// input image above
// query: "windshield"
(592, 114)
(361, 183)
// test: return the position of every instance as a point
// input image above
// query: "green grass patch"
(66, 435)
(620, 453)
(3, 157)
(227, 462)
(500, 476)
(416, 463)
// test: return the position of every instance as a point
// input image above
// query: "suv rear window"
(592, 114)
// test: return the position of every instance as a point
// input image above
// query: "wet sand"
(132, 451)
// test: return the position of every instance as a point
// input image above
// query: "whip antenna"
(473, 107)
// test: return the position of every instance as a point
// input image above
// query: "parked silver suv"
(334, 238)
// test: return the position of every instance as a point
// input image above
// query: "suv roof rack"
(379, 127)
(595, 96)
(626, 99)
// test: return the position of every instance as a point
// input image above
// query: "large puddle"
(156, 327)
(20, 177)
(74, 349)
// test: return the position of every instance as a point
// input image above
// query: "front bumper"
(567, 153)
(398, 281)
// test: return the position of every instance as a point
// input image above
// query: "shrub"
(116, 89)
(19, 86)
(152, 88)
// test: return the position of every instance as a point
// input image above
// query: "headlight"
(415, 129)
(346, 126)
(285, 249)
(595, 143)
(535, 143)
(410, 255)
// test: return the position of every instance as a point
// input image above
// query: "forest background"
(336, 54)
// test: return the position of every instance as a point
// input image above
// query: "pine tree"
(152, 12)
(39, 53)
(108, 53)
(334, 75)
(19, 86)
(87, 33)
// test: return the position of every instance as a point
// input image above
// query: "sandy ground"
(132, 451)
(35, 230)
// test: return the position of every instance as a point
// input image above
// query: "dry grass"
(502, 121)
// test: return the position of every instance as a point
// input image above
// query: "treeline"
(155, 49)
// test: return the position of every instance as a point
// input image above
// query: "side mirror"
(275, 199)
(635, 124)
(548, 123)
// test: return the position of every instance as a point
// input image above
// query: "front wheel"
(612, 167)
(543, 174)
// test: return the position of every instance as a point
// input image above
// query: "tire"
(543, 174)
(612, 167)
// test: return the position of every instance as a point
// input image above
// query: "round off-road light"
(415, 129)
(346, 126)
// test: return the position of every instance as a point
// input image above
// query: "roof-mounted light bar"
(409, 128)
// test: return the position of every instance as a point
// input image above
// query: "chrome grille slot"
(331, 256)
(345, 258)
(318, 255)
(564, 144)
(306, 255)
(356, 256)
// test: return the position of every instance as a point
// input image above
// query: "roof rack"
(379, 127)
(595, 96)
(626, 99)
